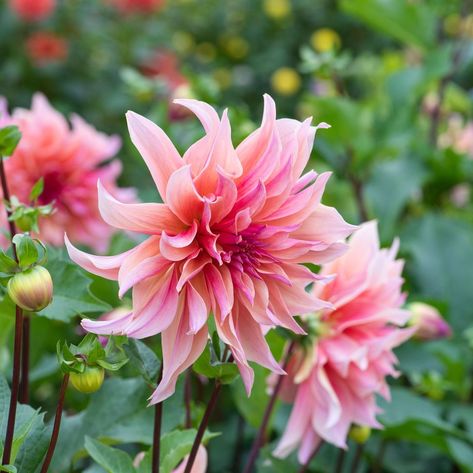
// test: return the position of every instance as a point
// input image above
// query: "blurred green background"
(394, 78)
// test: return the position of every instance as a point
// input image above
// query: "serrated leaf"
(224, 372)
(10, 136)
(143, 359)
(112, 459)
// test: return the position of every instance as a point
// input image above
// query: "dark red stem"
(158, 417)
(14, 388)
(57, 424)
(203, 425)
(25, 361)
(258, 442)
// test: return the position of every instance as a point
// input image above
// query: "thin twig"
(258, 442)
(203, 425)
(240, 430)
(57, 424)
(378, 463)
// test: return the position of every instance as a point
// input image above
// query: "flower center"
(53, 188)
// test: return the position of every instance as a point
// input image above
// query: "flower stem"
(57, 424)
(203, 425)
(357, 458)
(25, 361)
(158, 416)
(187, 399)
(258, 442)
(305, 466)
(25, 356)
(15, 387)
(340, 460)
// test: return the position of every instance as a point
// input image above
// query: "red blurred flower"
(137, 6)
(43, 47)
(33, 10)
(165, 65)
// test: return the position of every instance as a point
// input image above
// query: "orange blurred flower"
(137, 6)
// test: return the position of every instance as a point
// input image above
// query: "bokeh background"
(394, 78)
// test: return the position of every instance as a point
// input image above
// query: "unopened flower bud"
(360, 433)
(32, 289)
(428, 322)
(89, 381)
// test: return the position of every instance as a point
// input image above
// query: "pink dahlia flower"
(71, 161)
(228, 240)
(334, 383)
(33, 10)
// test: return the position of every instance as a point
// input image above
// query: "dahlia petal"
(204, 112)
(105, 266)
(107, 327)
(156, 148)
(180, 350)
(198, 312)
(182, 196)
(143, 218)
(200, 463)
(191, 268)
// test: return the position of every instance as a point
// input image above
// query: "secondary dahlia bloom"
(33, 10)
(458, 136)
(428, 323)
(71, 160)
(228, 240)
(333, 383)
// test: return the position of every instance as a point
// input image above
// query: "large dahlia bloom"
(71, 160)
(334, 382)
(228, 240)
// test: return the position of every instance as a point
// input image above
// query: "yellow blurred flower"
(452, 24)
(325, 39)
(286, 81)
(392, 61)
(223, 77)
(205, 52)
(235, 46)
(467, 26)
(277, 9)
(183, 42)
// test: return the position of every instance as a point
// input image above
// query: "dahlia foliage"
(333, 382)
(70, 160)
(229, 240)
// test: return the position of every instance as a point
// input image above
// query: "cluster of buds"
(29, 285)
(87, 362)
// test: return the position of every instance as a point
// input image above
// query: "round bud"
(360, 433)
(89, 381)
(32, 289)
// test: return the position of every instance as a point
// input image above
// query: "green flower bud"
(360, 433)
(32, 289)
(89, 381)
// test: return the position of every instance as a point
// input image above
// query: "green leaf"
(440, 266)
(8, 468)
(413, 23)
(25, 249)
(72, 295)
(389, 189)
(9, 138)
(112, 459)
(37, 189)
(7, 264)
(176, 445)
(143, 359)
(224, 372)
